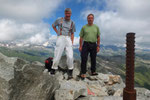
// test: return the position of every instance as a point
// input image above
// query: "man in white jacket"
(65, 28)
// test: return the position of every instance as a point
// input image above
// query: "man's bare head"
(90, 19)
(68, 10)
(68, 13)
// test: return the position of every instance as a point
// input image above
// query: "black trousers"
(87, 48)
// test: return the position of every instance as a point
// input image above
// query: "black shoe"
(94, 73)
(82, 76)
(70, 77)
(70, 74)
(52, 71)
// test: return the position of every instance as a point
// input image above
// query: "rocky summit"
(23, 80)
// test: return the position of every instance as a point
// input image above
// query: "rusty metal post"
(129, 93)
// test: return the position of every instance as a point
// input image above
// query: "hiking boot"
(70, 74)
(82, 76)
(94, 73)
(70, 77)
(52, 71)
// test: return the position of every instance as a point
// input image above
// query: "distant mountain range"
(110, 59)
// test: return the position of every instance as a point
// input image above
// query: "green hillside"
(117, 63)
(27, 54)
(108, 60)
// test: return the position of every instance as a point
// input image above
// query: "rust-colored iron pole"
(129, 93)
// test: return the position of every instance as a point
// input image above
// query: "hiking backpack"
(48, 63)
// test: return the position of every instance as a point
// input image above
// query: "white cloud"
(91, 2)
(53, 38)
(28, 10)
(37, 39)
(21, 20)
(10, 30)
(76, 41)
(120, 17)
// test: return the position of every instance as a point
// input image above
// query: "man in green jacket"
(90, 38)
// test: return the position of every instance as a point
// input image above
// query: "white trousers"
(63, 42)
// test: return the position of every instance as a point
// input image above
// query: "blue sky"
(29, 21)
(76, 7)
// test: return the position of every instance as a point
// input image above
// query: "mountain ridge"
(108, 60)
(29, 80)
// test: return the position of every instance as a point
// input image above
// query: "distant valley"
(111, 59)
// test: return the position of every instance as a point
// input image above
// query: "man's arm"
(55, 29)
(80, 42)
(72, 37)
(98, 43)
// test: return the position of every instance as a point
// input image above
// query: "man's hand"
(80, 42)
(98, 49)
(55, 29)
(98, 44)
(80, 48)
(72, 37)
